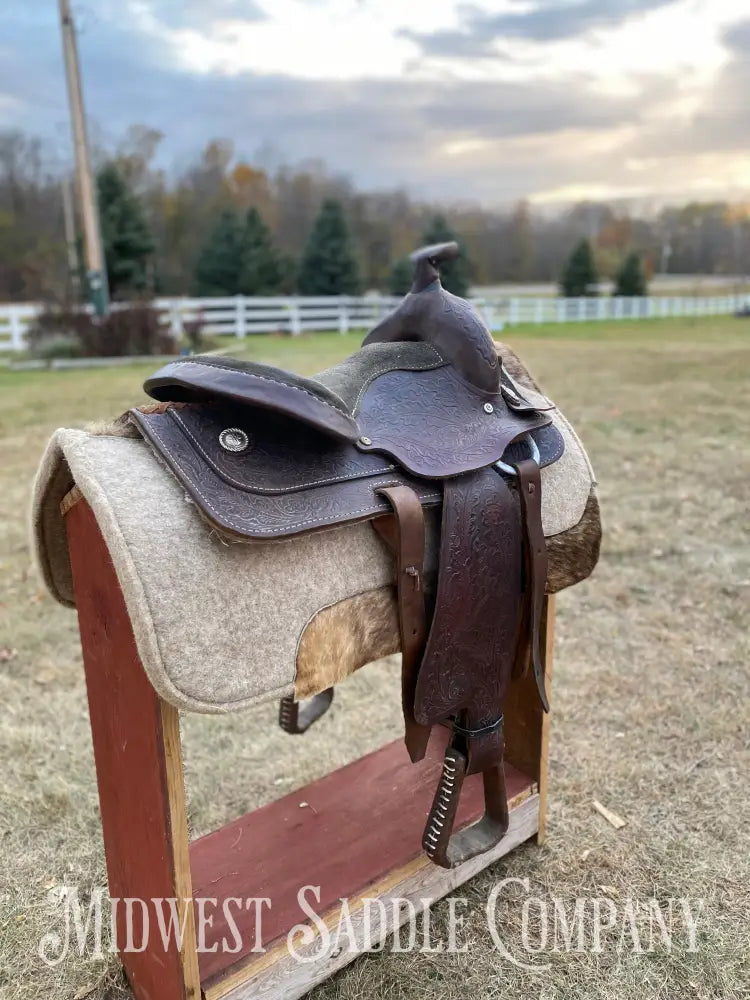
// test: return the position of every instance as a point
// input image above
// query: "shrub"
(125, 331)
(58, 345)
(194, 335)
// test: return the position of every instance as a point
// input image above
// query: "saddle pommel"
(452, 325)
(426, 261)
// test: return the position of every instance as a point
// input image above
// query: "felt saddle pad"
(222, 624)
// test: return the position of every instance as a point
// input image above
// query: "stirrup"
(440, 844)
(296, 717)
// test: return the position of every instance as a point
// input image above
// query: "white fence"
(241, 316)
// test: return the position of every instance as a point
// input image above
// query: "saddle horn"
(433, 315)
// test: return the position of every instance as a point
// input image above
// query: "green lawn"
(650, 696)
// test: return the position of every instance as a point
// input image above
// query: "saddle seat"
(402, 399)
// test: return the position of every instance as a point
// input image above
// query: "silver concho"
(233, 439)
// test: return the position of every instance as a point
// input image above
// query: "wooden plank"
(174, 775)
(70, 499)
(343, 833)
(279, 975)
(525, 719)
(543, 772)
(138, 769)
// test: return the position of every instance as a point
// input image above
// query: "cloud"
(202, 14)
(736, 37)
(451, 44)
(720, 121)
(482, 140)
(542, 21)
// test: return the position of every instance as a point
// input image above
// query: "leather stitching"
(275, 381)
(223, 519)
(559, 449)
(259, 489)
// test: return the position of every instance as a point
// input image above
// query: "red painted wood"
(126, 725)
(343, 833)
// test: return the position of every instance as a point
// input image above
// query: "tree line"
(221, 225)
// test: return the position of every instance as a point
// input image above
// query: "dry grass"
(651, 689)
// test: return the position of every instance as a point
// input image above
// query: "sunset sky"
(551, 99)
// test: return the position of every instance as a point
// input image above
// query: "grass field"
(651, 697)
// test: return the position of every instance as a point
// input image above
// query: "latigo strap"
(535, 569)
(406, 539)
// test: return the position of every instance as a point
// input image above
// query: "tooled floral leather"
(291, 478)
(243, 514)
(467, 662)
(436, 425)
(459, 315)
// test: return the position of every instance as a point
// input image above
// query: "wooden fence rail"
(242, 316)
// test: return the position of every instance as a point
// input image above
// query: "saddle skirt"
(265, 454)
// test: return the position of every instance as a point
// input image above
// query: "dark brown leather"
(263, 386)
(267, 509)
(432, 314)
(408, 542)
(291, 478)
(438, 844)
(468, 656)
(470, 652)
(435, 425)
(535, 564)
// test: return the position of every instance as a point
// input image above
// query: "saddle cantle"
(423, 416)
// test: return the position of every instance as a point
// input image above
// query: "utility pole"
(70, 235)
(96, 272)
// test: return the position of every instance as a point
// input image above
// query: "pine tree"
(261, 271)
(401, 276)
(126, 237)
(217, 271)
(579, 275)
(453, 273)
(630, 278)
(328, 265)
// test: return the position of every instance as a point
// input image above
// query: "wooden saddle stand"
(427, 436)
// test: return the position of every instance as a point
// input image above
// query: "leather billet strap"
(296, 717)
(408, 543)
(535, 569)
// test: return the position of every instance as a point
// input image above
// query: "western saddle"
(425, 416)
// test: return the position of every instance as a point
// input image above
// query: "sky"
(488, 102)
